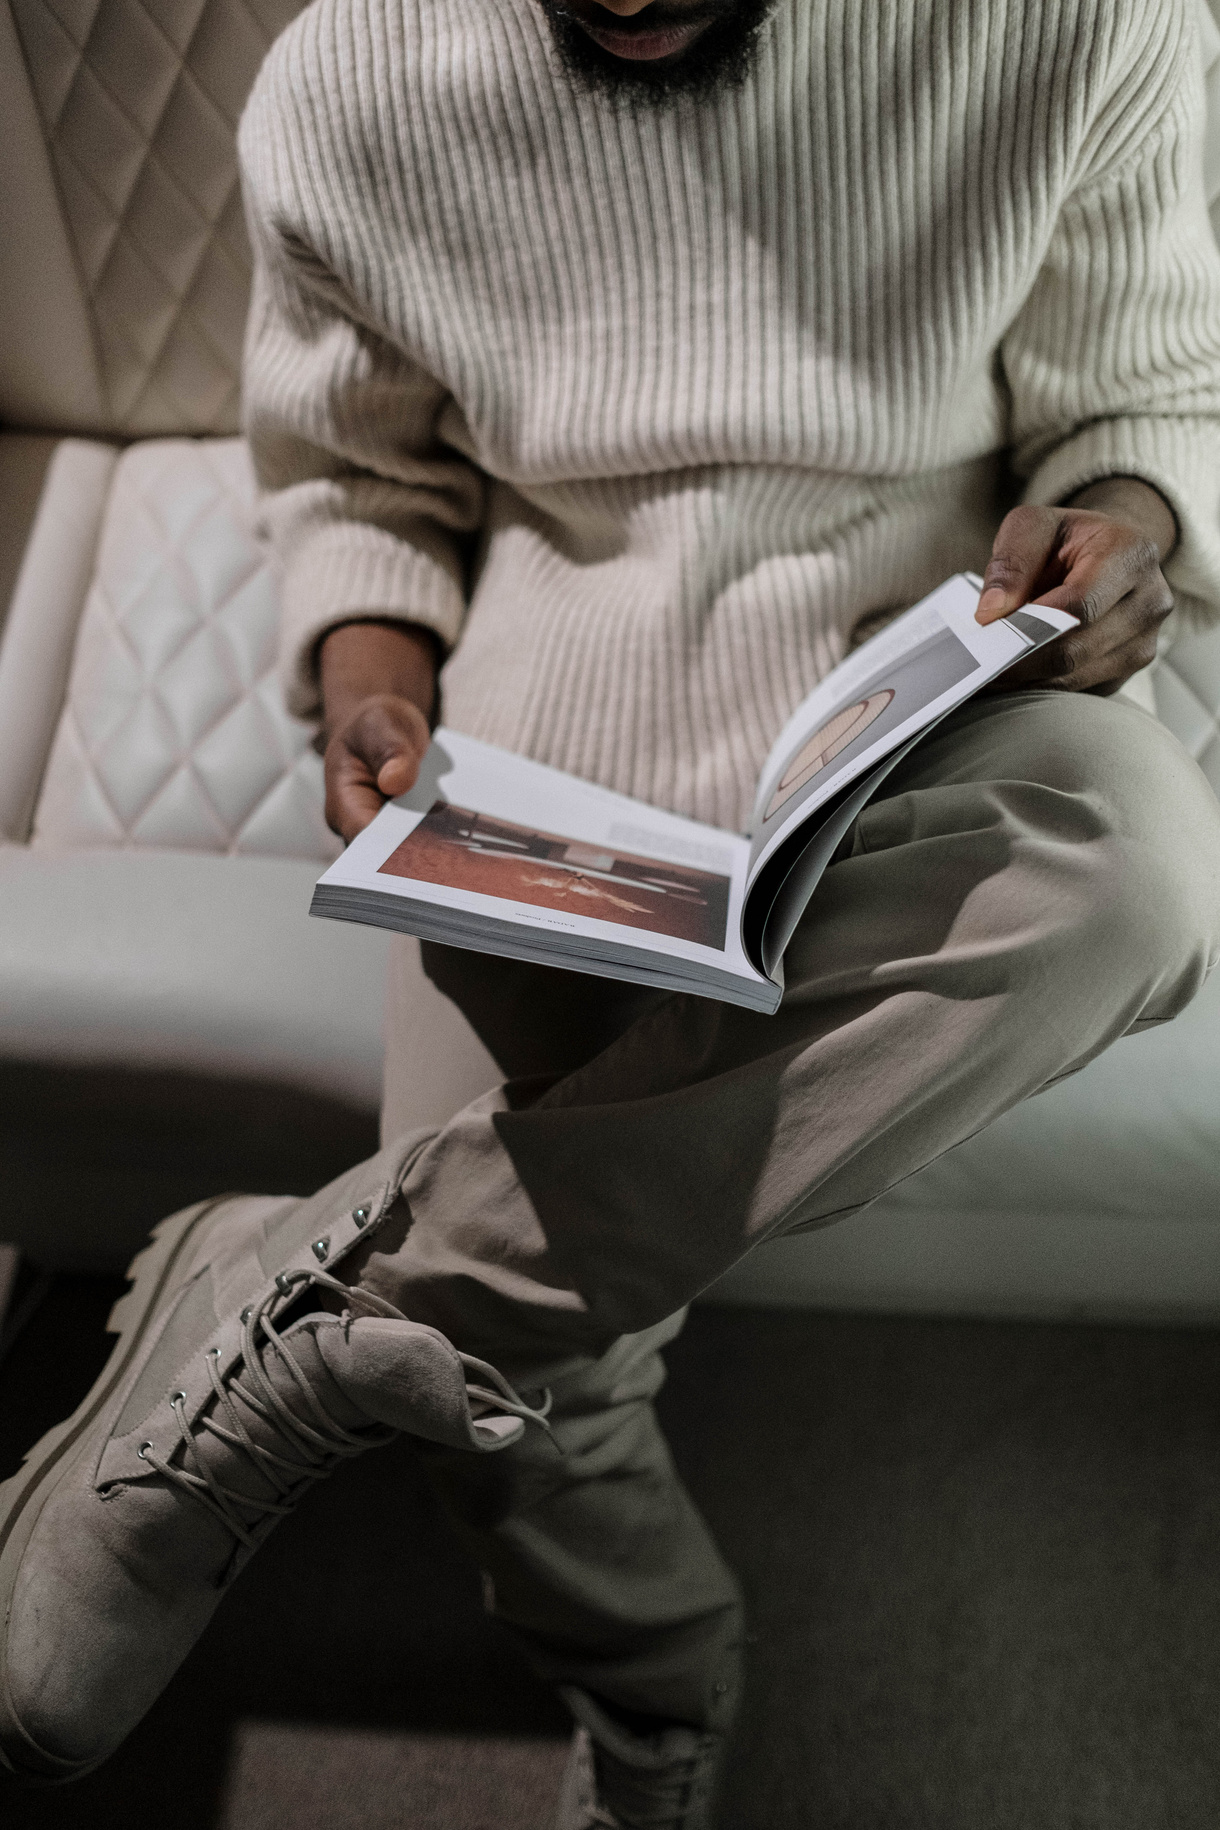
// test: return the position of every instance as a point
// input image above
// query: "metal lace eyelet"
(246, 1312)
(283, 1283)
(321, 1250)
(178, 1398)
(361, 1215)
(213, 1353)
(141, 1450)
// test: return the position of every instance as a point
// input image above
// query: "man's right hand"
(378, 694)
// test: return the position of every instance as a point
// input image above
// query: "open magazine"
(495, 852)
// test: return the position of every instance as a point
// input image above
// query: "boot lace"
(675, 1797)
(308, 1447)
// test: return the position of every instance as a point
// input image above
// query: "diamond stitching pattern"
(139, 101)
(174, 731)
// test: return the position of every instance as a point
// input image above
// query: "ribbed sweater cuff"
(349, 570)
(1181, 459)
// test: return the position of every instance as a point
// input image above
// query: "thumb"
(389, 737)
(373, 758)
(398, 772)
(1022, 564)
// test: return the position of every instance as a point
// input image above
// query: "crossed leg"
(1041, 877)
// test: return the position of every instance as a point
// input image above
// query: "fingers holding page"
(1101, 570)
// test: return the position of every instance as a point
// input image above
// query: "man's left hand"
(1099, 558)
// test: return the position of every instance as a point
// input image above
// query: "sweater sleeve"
(366, 509)
(1114, 360)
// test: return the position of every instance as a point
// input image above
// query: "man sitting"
(630, 358)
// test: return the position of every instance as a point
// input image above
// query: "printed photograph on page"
(462, 849)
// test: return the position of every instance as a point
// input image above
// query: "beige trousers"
(1038, 878)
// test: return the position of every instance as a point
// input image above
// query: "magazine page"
(919, 667)
(779, 891)
(488, 841)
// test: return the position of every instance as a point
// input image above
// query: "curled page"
(925, 663)
(854, 729)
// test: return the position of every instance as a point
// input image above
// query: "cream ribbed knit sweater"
(651, 408)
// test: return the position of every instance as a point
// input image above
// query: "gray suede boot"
(226, 1397)
(617, 1780)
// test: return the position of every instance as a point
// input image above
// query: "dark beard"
(721, 58)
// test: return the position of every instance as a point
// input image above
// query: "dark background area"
(92, 1157)
(982, 1561)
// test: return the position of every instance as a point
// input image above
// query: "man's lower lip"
(644, 46)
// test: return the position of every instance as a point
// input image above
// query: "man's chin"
(719, 56)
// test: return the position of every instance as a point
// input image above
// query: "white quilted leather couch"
(171, 1021)
(170, 1018)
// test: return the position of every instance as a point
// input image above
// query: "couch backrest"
(172, 732)
(125, 273)
(125, 267)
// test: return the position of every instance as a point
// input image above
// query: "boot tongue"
(258, 1457)
(410, 1377)
(323, 1388)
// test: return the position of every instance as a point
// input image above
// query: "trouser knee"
(1151, 884)
(1119, 831)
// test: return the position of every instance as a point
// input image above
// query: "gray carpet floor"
(982, 1562)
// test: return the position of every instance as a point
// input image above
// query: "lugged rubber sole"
(23, 1496)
